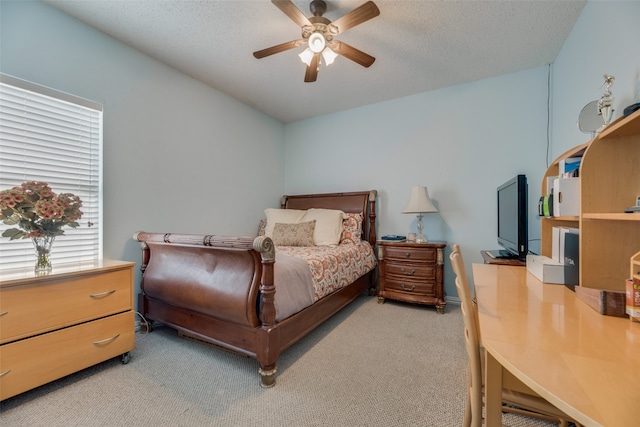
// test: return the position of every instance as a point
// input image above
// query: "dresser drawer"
(409, 286)
(36, 308)
(409, 271)
(427, 255)
(31, 362)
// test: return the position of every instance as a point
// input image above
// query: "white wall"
(179, 156)
(605, 40)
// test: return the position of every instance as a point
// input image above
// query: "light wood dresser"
(60, 323)
(412, 272)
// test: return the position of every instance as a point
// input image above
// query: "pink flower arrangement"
(37, 211)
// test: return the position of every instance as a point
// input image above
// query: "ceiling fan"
(319, 33)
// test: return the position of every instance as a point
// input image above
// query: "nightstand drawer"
(427, 255)
(408, 271)
(409, 286)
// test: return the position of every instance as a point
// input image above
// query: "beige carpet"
(370, 365)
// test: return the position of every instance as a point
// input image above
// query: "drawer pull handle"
(407, 254)
(408, 289)
(102, 294)
(2, 374)
(106, 340)
(3, 313)
(408, 273)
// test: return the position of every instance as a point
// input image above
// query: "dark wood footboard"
(221, 289)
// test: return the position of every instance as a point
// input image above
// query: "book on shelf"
(569, 167)
(563, 246)
(545, 206)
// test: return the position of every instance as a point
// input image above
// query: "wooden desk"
(586, 364)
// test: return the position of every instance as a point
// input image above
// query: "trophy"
(605, 108)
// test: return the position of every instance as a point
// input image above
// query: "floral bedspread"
(334, 267)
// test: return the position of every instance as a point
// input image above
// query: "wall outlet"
(638, 201)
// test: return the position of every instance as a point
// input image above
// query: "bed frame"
(221, 289)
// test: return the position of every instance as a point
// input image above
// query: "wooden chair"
(520, 400)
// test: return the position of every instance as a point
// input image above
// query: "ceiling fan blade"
(357, 16)
(312, 69)
(292, 12)
(277, 49)
(350, 52)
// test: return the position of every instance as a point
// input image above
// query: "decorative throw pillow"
(328, 225)
(352, 229)
(282, 216)
(300, 234)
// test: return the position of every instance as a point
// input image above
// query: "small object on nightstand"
(412, 272)
(393, 238)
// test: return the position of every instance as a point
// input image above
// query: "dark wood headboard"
(354, 202)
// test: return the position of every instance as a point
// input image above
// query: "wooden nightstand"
(412, 272)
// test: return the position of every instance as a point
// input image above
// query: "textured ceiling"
(418, 45)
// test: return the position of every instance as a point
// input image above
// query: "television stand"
(498, 260)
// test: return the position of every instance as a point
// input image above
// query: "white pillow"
(328, 225)
(282, 216)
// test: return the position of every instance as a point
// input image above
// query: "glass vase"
(42, 247)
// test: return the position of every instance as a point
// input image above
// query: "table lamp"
(419, 203)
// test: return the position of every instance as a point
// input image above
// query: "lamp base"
(421, 238)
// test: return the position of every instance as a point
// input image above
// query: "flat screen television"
(513, 219)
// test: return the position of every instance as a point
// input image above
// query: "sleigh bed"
(251, 295)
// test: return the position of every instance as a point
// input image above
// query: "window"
(54, 137)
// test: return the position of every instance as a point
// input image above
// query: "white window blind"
(52, 137)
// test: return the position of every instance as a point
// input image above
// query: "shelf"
(562, 218)
(612, 216)
(626, 126)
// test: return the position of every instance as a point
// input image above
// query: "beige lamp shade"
(419, 201)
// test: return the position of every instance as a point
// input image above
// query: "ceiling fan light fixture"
(306, 56)
(318, 33)
(316, 42)
(329, 56)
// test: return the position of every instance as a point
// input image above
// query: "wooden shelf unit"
(609, 183)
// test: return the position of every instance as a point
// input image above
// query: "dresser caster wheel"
(125, 358)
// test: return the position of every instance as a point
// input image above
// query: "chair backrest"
(471, 333)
